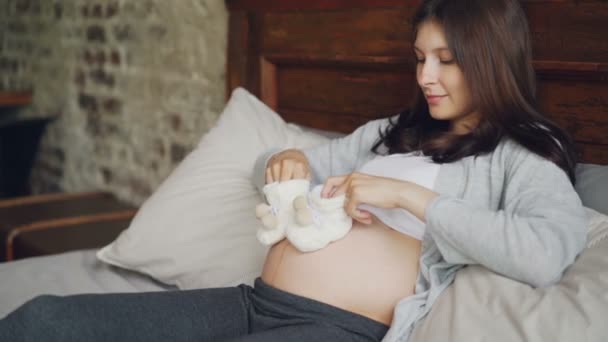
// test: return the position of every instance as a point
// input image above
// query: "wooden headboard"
(337, 64)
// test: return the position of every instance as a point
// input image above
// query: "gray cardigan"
(510, 210)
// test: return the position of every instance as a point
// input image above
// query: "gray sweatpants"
(243, 313)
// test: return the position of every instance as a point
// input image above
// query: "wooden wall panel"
(378, 32)
(569, 30)
(238, 51)
(580, 107)
(365, 93)
(329, 121)
(313, 5)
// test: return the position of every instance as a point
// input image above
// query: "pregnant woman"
(472, 173)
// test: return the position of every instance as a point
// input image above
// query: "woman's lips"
(434, 99)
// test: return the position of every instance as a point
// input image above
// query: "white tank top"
(411, 167)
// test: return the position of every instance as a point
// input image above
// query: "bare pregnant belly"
(366, 272)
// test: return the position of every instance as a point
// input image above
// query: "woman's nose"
(428, 73)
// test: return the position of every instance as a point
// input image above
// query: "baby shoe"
(277, 215)
(318, 221)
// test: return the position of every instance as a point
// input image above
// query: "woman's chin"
(439, 115)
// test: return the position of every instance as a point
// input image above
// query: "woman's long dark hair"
(490, 41)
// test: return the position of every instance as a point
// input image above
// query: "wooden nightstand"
(55, 223)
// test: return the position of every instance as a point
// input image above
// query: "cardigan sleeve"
(535, 234)
(337, 157)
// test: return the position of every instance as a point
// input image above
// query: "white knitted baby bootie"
(278, 213)
(318, 221)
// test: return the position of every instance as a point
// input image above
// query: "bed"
(301, 73)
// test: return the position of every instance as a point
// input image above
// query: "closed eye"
(421, 61)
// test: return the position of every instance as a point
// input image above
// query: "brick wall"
(133, 85)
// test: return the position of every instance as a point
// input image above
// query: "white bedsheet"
(64, 274)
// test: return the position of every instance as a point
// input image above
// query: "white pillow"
(198, 228)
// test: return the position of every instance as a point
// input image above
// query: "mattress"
(65, 274)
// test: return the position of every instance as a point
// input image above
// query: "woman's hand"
(286, 165)
(380, 192)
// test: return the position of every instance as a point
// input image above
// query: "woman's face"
(441, 79)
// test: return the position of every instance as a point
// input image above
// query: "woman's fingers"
(332, 185)
(269, 178)
(287, 165)
(340, 189)
(363, 216)
(299, 171)
(287, 170)
(276, 171)
(336, 186)
(350, 207)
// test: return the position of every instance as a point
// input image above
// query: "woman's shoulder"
(515, 153)
(381, 123)
(520, 162)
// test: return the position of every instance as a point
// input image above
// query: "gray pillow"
(592, 186)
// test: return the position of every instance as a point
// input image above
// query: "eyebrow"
(434, 50)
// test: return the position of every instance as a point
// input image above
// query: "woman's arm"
(339, 156)
(537, 234)
(344, 155)
(380, 192)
